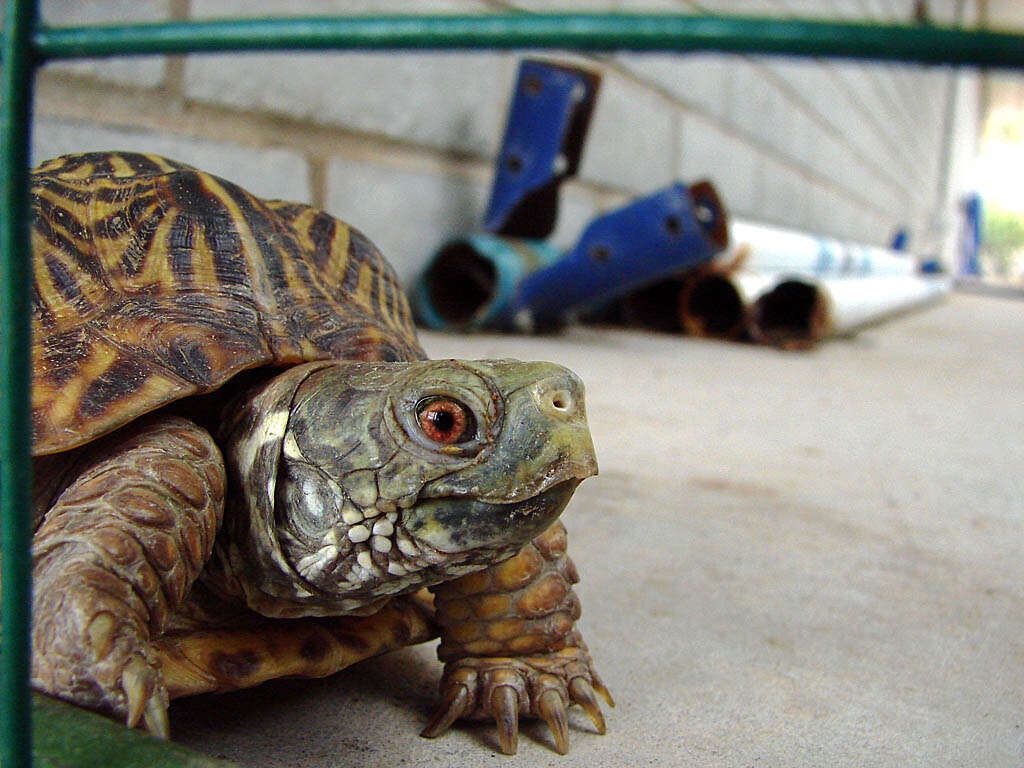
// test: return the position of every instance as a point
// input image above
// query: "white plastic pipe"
(788, 288)
(854, 303)
(797, 312)
(766, 249)
(752, 285)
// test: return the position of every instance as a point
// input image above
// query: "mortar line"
(86, 98)
(863, 202)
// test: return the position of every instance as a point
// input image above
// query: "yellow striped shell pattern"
(154, 281)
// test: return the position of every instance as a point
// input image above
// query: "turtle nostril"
(561, 401)
(559, 395)
(556, 402)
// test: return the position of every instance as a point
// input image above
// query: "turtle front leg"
(115, 555)
(511, 647)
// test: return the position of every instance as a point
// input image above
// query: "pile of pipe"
(784, 288)
(509, 277)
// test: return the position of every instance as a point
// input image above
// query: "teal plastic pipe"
(15, 382)
(594, 32)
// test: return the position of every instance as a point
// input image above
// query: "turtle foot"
(505, 688)
(91, 645)
(112, 671)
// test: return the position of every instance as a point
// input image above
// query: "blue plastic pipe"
(544, 137)
(485, 281)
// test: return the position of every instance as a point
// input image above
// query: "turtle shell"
(154, 281)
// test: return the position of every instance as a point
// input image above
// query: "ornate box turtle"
(246, 468)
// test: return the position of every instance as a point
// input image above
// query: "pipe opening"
(790, 315)
(460, 282)
(710, 213)
(654, 307)
(711, 306)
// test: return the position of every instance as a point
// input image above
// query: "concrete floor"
(788, 560)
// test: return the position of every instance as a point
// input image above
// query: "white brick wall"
(632, 139)
(449, 102)
(139, 70)
(709, 152)
(401, 145)
(701, 82)
(269, 173)
(406, 212)
(576, 209)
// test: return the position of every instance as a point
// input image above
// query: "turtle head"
(381, 478)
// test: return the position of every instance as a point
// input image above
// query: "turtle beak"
(550, 418)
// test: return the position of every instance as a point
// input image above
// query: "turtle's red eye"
(445, 421)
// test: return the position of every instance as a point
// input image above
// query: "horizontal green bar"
(592, 32)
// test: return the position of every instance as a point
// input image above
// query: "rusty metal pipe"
(707, 301)
(715, 302)
(787, 311)
(777, 288)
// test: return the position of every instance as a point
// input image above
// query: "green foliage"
(68, 737)
(1002, 236)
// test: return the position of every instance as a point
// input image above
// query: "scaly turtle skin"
(245, 468)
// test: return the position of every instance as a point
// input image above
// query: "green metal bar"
(594, 32)
(15, 366)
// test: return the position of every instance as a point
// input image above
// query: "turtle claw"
(137, 689)
(156, 720)
(457, 702)
(551, 708)
(601, 689)
(505, 708)
(581, 692)
(145, 698)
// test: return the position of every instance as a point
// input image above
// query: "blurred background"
(789, 559)
(403, 146)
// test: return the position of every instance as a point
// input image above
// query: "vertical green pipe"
(15, 382)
